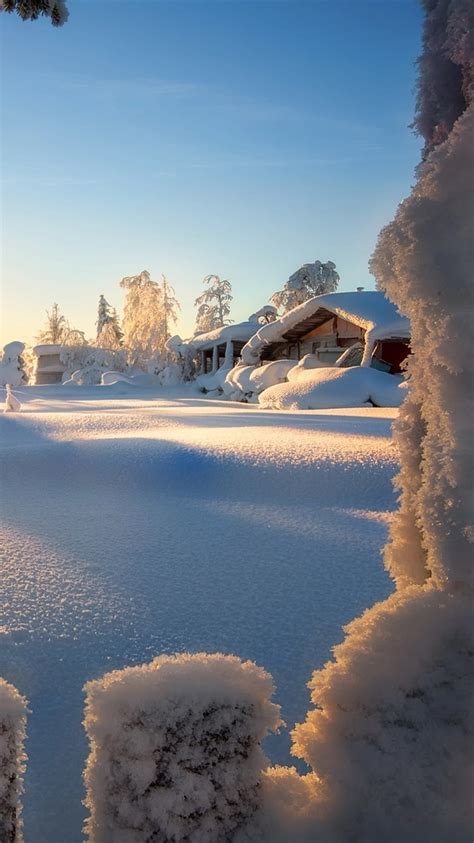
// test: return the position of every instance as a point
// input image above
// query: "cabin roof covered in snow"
(46, 349)
(242, 331)
(370, 310)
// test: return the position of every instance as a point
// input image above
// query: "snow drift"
(318, 389)
(175, 749)
(12, 761)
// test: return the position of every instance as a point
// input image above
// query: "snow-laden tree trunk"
(175, 749)
(12, 761)
(424, 261)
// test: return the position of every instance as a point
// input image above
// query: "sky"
(237, 137)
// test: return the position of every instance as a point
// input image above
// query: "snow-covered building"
(327, 325)
(49, 367)
(223, 346)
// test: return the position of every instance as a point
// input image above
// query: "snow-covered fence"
(175, 749)
(12, 761)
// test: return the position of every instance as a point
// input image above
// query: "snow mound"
(109, 378)
(319, 389)
(175, 748)
(270, 374)
(237, 384)
(309, 361)
(212, 381)
(12, 761)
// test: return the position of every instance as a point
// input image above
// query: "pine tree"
(104, 314)
(311, 279)
(170, 306)
(214, 304)
(56, 328)
(109, 333)
(33, 9)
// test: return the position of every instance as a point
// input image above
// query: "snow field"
(138, 526)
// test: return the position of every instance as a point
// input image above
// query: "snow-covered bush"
(12, 404)
(213, 382)
(85, 364)
(175, 749)
(12, 761)
(326, 388)
(12, 364)
(182, 355)
(392, 732)
(237, 384)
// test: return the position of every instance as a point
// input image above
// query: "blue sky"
(241, 137)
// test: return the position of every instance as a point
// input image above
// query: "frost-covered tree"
(311, 279)
(265, 315)
(109, 333)
(33, 9)
(143, 323)
(12, 761)
(56, 328)
(171, 307)
(13, 365)
(213, 306)
(391, 734)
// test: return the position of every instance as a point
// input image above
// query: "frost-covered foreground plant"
(12, 762)
(175, 749)
(392, 733)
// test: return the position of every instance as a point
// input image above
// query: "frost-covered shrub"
(12, 761)
(85, 364)
(213, 382)
(424, 260)
(175, 749)
(12, 404)
(392, 734)
(12, 364)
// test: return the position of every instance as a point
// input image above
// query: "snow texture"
(12, 761)
(317, 389)
(370, 310)
(175, 749)
(136, 522)
(424, 260)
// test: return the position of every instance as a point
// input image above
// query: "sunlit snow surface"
(134, 525)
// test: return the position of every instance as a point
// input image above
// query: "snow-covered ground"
(135, 525)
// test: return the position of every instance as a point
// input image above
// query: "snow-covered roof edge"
(240, 331)
(370, 310)
(45, 349)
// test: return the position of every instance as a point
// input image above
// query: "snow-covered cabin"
(49, 368)
(327, 325)
(223, 346)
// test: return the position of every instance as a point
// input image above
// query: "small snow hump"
(12, 404)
